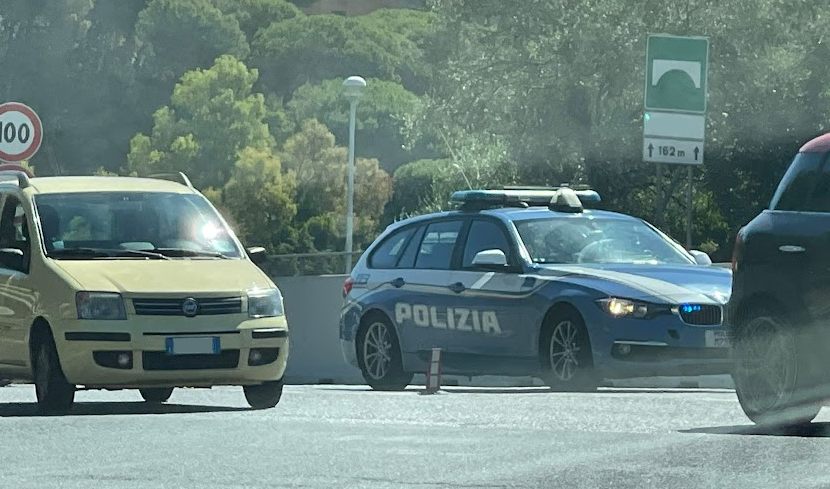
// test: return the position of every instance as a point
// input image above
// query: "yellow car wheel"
(54, 393)
(157, 395)
(265, 395)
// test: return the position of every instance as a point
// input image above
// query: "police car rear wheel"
(569, 357)
(380, 356)
(768, 373)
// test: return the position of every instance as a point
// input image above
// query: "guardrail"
(303, 264)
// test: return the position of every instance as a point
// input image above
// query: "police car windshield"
(176, 225)
(586, 239)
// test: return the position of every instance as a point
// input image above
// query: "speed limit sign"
(20, 132)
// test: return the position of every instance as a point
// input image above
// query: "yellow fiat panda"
(131, 283)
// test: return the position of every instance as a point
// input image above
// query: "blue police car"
(519, 282)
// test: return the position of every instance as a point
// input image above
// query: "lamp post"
(353, 88)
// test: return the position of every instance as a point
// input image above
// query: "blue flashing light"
(687, 308)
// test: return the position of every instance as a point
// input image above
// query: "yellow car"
(131, 283)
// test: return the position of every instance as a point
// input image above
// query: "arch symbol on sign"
(21, 132)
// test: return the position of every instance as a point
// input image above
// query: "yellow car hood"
(176, 276)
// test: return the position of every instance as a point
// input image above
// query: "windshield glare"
(597, 240)
(132, 221)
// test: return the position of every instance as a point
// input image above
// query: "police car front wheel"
(380, 355)
(568, 357)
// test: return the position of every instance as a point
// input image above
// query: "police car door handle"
(398, 282)
(457, 287)
(791, 249)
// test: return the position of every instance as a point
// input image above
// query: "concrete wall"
(313, 305)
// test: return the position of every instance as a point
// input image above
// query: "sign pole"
(658, 201)
(689, 201)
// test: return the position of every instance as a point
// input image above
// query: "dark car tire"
(54, 393)
(566, 354)
(379, 355)
(265, 395)
(156, 395)
(766, 350)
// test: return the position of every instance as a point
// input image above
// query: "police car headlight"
(620, 308)
(265, 303)
(100, 305)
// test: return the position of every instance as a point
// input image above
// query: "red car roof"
(820, 144)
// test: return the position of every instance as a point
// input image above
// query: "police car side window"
(484, 235)
(438, 245)
(411, 252)
(386, 255)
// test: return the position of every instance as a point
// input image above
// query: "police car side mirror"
(700, 257)
(257, 254)
(490, 259)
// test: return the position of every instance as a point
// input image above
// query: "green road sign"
(676, 72)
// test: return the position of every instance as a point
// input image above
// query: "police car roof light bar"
(563, 199)
(15, 175)
(179, 176)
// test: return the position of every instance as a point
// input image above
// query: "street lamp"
(353, 88)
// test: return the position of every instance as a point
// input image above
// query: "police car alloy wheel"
(569, 360)
(767, 373)
(380, 355)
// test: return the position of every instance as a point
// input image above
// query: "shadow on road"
(811, 430)
(537, 390)
(25, 409)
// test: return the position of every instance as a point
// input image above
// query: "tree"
(380, 122)
(254, 15)
(320, 168)
(213, 115)
(305, 49)
(180, 35)
(259, 197)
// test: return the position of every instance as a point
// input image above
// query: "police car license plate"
(187, 345)
(717, 339)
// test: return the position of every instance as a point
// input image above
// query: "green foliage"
(320, 47)
(259, 197)
(179, 35)
(254, 15)
(321, 168)
(380, 122)
(213, 115)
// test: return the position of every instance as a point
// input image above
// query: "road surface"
(338, 436)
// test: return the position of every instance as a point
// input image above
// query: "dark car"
(778, 314)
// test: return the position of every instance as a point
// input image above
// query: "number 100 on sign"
(11, 133)
(20, 132)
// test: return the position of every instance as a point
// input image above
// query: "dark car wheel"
(54, 393)
(566, 354)
(379, 355)
(770, 372)
(265, 395)
(156, 395)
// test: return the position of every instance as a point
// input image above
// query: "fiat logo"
(190, 307)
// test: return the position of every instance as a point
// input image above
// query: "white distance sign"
(21, 132)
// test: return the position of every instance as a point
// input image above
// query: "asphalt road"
(334, 436)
